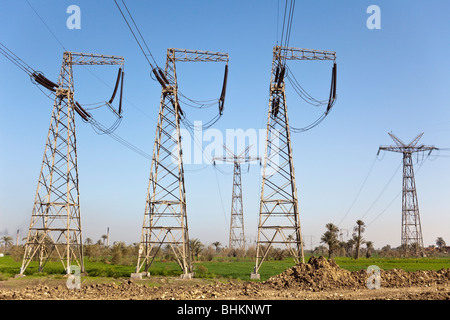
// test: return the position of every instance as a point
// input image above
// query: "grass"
(241, 269)
(224, 269)
(407, 264)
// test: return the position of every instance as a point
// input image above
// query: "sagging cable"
(275, 107)
(119, 74)
(81, 112)
(332, 97)
(158, 77)
(281, 76)
(121, 95)
(43, 81)
(224, 90)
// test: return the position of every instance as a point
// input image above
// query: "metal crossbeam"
(186, 55)
(78, 58)
(287, 53)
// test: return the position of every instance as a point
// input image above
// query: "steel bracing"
(55, 224)
(411, 235)
(165, 217)
(237, 234)
(279, 220)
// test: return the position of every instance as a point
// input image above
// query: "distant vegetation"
(215, 261)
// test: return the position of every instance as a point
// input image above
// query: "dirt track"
(319, 279)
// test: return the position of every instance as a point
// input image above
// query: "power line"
(383, 190)
(45, 24)
(145, 43)
(11, 56)
(287, 24)
(221, 201)
(98, 128)
(395, 198)
(200, 104)
(134, 35)
(359, 191)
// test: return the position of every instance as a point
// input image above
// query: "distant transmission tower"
(412, 241)
(55, 222)
(237, 235)
(165, 218)
(279, 220)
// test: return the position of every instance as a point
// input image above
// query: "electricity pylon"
(165, 217)
(237, 234)
(412, 241)
(55, 221)
(279, 220)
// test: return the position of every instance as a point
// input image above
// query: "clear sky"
(391, 79)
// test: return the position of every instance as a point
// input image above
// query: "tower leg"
(55, 226)
(165, 218)
(279, 220)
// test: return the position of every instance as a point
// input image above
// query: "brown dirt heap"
(317, 275)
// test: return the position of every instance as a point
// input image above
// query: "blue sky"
(393, 79)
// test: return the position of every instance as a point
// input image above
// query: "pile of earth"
(320, 274)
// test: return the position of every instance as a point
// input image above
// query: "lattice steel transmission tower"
(412, 241)
(55, 221)
(279, 220)
(165, 218)
(237, 234)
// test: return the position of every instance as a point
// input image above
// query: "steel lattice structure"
(165, 218)
(411, 238)
(237, 234)
(279, 220)
(56, 221)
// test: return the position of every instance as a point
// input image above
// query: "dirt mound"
(317, 275)
(320, 274)
(397, 278)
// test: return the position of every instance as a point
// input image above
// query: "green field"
(227, 269)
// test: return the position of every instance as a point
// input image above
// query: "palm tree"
(440, 243)
(7, 240)
(330, 237)
(217, 244)
(196, 247)
(369, 245)
(104, 237)
(359, 229)
(88, 241)
(350, 244)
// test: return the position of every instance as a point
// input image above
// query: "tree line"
(121, 253)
